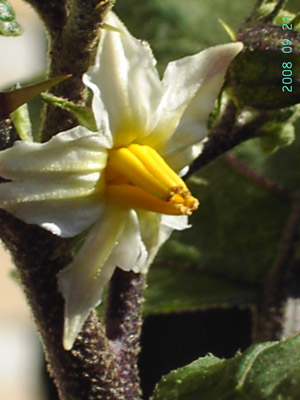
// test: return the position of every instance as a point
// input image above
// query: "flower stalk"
(123, 327)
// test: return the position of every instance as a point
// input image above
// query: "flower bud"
(266, 74)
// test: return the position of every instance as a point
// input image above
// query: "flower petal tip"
(222, 56)
(72, 327)
(67, 344)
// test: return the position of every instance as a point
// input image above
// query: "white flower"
(119, 182)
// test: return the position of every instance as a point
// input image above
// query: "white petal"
(201, 74)
(168, 223)
(47, 186)
(76, 150)
(181, 158)
(82, 282)
(129, 83)
(130, 252)
(156, 229)
(61, 205)
(179, 223)
(66, 218)
(100, 113)
(55, 184)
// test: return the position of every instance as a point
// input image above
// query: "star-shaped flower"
(121, 183)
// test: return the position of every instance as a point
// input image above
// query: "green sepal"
(266, 371)
(230, 32)
(10, 101)
(84, 115)
(269, 11)
(266, 8)
(289, 18)
(280, 130)
(8, 25)
(21, 120)
(296, 22)
(276, 136)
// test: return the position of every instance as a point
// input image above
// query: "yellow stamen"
(156, 165)
(137, 177)
(135, 197)
(127, 164)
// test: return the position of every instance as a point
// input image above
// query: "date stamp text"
(287, 72)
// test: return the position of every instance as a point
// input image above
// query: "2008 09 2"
(287, 72)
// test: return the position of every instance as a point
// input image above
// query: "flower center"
(138, 177)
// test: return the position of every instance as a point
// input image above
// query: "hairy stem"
(87, 371)
(123, 328)
(73, 29)
(71, 52)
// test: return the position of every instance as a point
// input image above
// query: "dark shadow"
(171, 341)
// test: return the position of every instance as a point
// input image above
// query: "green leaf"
(84, 115)
(266, 371)
(8, 24)
(10, 101)
(178, 289)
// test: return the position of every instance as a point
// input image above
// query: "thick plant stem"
(72, 51)
(73, 29)
(123, 328)
(87, 371)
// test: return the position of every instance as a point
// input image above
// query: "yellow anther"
(128, 165)
(156, 165)
(138, 177)
(176, 198)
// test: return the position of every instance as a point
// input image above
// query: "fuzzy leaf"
(267, 371)
(84, 115)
